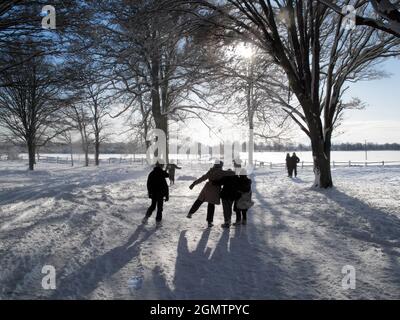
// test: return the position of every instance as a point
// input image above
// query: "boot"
(226, 225)
(145, 220)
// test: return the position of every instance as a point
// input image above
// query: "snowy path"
(87, 223)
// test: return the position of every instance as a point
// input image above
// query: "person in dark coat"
(289, 165)
(295, 161)
(229, 194)
(157, 188)
(244, 203)
(210, 192)
(171, 168)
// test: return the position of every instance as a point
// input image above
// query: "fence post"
(334, 164)
(349, 163)
(383, 163)
(302, 165)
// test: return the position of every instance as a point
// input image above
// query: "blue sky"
(383, 96)
(380, 121)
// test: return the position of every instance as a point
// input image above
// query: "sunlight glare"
(246, 51)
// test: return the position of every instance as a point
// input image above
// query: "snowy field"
(86, 222)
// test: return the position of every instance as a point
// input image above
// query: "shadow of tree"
(83, 281)
(278, 225)
(42, 222)
(60, 188)
(363, 222)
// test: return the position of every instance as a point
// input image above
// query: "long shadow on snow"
(60, 188)
(245, 266)
(278, 225)
(237, 269)
(383, 227)
(83, 281)
(232, 271)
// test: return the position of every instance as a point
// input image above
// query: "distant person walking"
(295, 162)
(244, 203)
(157, 188)
(171, 168)
(289, 166)
(210, 192)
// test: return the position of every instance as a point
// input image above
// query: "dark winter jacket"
(211, 190)
(295, 160)
(288, 161)
(156, 184)
(244, 202)
(291, 162)
(230, 187)
(244, 184)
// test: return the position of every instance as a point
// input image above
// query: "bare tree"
(79, 118)
(318, 55)
(249, 81)
(90, 99)
(387, 12)
(98, 103)
(140, 119)
(154, 59)
(66, 136)
(29, 108)
(22, 19)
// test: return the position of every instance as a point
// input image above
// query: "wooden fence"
(334, 164)
(140, 159)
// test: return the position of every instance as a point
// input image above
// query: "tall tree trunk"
(321, 149)
(72, 155)
(86, 150)
(161, 122)
(145, 133)
(85, 145)
(31, 154)
(97, 151)
(160, 118)
(250, 114)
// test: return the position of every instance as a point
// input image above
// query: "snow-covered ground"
(86, 222)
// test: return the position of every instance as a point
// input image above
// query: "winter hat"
(160, 163)
(218, 163)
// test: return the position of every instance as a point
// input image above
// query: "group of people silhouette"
(291, 164)
(232, 188)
